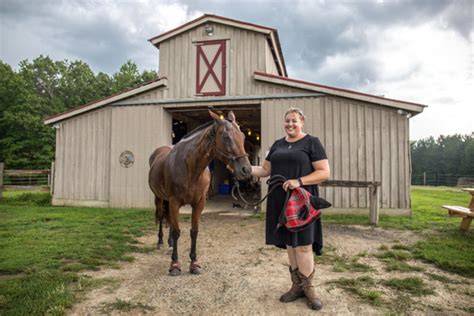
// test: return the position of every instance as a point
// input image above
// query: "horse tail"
(166, 208)
(162, 212)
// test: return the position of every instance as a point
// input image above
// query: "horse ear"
(215, 116)
(231, 116)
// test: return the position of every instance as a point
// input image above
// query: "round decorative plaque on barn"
(126, 159)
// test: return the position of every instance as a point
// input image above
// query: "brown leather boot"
(309, 291)
(296, 291)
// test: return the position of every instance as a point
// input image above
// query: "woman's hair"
(297, 111)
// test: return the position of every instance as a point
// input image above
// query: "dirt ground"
(243, 276)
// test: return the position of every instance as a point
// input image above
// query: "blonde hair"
(297, 111)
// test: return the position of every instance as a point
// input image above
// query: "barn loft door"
(210, 68)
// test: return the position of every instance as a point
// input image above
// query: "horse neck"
(201, 154)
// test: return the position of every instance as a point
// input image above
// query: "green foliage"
(44, 87)
(447, 155)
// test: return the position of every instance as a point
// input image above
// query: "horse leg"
(159, 220)
(167, 213)
(194, 267)
(175, 267)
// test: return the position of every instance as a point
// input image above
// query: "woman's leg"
(292, 257)
(305, 259)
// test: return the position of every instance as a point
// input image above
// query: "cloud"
(419, 51)
(103, 33)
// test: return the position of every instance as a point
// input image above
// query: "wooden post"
(1, 179)
(374, 205)
(51, 179)
(424, 178)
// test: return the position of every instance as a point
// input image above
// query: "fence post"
(424, 178)
(1, 179)
(374, 205)
(51, 179)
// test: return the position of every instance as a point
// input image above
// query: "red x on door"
(210, 68)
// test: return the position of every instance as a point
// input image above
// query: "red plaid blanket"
(297, 212)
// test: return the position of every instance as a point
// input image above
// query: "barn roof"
(155, 83)
(414, 108)
(271, 33)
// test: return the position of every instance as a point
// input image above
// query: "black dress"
(293, 160)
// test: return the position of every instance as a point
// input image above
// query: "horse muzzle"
(242, 171)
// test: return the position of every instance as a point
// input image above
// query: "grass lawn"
(42, 248)
(443, 244)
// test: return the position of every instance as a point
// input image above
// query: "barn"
(102, 148)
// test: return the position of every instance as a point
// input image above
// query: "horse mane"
(197, 129)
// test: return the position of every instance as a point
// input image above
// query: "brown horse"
(179, 175)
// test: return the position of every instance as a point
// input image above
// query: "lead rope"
(272, 183)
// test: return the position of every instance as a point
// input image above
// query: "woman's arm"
(320, 174)
(263, 170)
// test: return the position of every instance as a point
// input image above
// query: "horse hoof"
(175, 268)
(158, 246)
(175, 272)
(195, 268)
(170, 250)
(196, 271)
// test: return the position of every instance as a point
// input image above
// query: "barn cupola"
(217, 56)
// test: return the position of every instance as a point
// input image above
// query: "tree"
(128, 76)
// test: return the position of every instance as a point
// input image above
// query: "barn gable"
(215, 56)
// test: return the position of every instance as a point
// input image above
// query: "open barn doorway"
(185, 119)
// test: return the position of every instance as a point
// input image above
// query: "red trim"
(332, 88)
(210, 68)
(210, 16)
(103, 99)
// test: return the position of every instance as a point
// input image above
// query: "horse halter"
(226, 155)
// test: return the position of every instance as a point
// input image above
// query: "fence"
(442, 179)
(27, 180)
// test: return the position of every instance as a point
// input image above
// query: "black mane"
(197, 129)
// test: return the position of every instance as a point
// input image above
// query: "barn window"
(211, 68)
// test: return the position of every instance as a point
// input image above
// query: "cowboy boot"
(309, 291)
(296, 291)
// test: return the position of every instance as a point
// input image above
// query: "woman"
(301, 159)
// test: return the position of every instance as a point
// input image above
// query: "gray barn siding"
(363, 142)
(82, 157)
(140, 130)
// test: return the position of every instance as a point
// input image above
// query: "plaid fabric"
(298, 211)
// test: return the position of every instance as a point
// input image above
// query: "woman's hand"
(291, 184)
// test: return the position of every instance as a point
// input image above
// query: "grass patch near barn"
(443, 244)
(43, 247)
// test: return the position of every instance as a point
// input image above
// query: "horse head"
(229, 145)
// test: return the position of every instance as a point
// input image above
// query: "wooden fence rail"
(27, 180)
(373, 194)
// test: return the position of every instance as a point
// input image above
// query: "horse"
(179, 175)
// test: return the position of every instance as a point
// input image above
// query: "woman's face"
(293, 124)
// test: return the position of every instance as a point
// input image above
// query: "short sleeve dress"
(293, 160)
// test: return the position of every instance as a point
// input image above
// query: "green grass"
(361, 287)
(43, 247)
(413, 286)
(443, 244)
(342, 263)
(124, 306)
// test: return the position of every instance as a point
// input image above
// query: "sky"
(418, 51)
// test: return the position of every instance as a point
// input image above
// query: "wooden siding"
(247, 52)
(82, 157)
(140, 130)
(363, 142)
